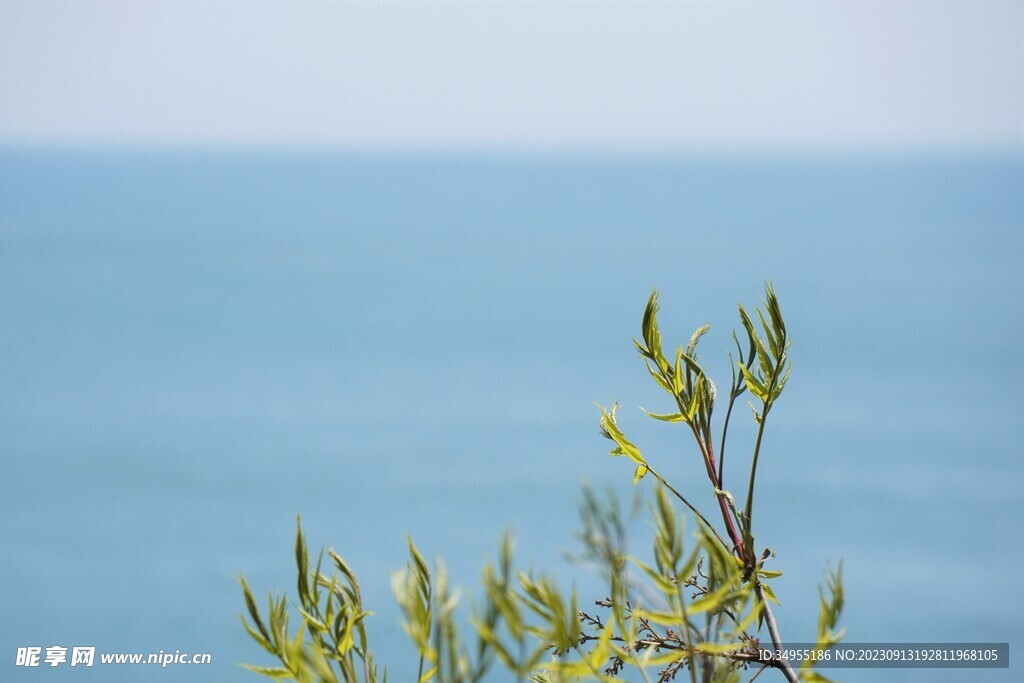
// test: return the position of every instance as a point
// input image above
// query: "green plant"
(695, 609)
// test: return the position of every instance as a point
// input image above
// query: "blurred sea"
(195, 347)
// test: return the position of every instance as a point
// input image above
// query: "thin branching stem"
(725, 430)
(687, 503)
(686, 630)
(759, 672)
(749, 509)
(707, 450)
(773, 631)
(663, 644)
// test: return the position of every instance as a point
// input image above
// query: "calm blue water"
(195, 348)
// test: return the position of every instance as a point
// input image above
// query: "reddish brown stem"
(708, 451)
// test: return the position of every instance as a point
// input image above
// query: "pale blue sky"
(792, 75)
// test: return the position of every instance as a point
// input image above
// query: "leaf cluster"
(330, 643)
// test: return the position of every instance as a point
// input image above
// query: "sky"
(724, 75)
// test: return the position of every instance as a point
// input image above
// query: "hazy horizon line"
(851, 152)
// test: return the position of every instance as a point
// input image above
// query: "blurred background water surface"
(197, 347)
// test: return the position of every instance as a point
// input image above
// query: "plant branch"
(749, 510)
(725, 431)
(759, 672)
(686, 630)
(773, 631)
(686, 503)
(738, 387)
(707, 450)
(665, 645)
